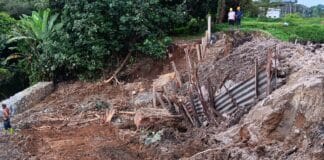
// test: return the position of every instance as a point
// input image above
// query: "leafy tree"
(6, 23)
(18, 7)
(98, 33)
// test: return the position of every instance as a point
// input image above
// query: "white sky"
(310, 3)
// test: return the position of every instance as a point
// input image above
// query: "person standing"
(231, 18)
(6, 119)
(238, 16)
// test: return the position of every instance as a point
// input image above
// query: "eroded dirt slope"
(288, 124)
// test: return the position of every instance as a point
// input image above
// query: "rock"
(143, 99)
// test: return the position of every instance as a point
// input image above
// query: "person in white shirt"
(231, 18)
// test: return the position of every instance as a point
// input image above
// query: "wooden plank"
(203, 50)
(161, 101)
(269, 65)
(211, 93)
(256, 69)
(177, 74)
(188, 115)
(209, 27)
(201, 98)
(154, 97)
(189, 66)
(198, 52)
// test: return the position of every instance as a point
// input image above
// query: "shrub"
(97, 33)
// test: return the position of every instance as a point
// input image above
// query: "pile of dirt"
(100, 121)
(288, 124)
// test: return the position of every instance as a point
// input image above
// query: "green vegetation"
(82, 39)
(30, 34)
(290, 28)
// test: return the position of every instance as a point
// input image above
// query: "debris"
(114, 76)
(163, 80)
(152, 137)
(151, 117)
(109, 115)
(188, 123)
(143, 99)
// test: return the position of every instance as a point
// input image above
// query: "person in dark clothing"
(238, 17)
(6, 118)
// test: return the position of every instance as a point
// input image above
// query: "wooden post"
(189, 65)
(154, 97)
(211, 93)
(230, 95)
(269, 77)
(203, 50)
(201, 97)
(209, 28)
(177, 74)
(198, 52)
(275, 66)
(256, 80)
(161, 101)
(188, 114)
(206, 37)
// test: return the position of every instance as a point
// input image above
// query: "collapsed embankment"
(96, 121)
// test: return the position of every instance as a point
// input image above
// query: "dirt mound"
(72, 123)
(288, 124)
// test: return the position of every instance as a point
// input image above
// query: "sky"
(310, 3)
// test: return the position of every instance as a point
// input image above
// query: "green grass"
(303, 29)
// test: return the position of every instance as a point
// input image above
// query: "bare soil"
(68, 124)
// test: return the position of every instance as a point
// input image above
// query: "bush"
(314, 33)
(193, 26)
(6, 23)
(11, 82)
(97, 33)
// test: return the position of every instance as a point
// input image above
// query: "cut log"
(153, 117)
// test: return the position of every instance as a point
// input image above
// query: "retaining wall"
(25, 99)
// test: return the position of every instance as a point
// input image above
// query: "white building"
(273, 13)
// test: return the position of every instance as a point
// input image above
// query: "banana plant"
(37, 27)
(33, 30)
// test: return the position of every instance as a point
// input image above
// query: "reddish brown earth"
(68, 124)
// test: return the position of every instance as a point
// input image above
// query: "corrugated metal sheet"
(242, 94)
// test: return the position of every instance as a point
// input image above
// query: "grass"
(302, 29)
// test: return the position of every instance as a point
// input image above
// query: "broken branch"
(119, 68)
